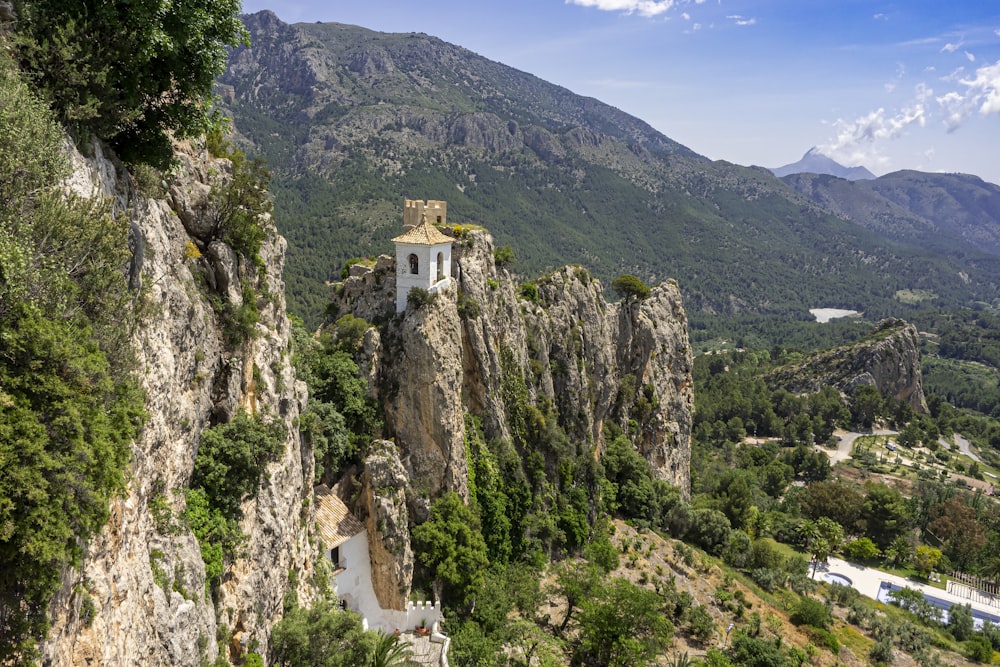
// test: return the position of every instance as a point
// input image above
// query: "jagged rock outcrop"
(421, 376)
(142, 580)
(888, 360)
(582, 361)
(382, 505)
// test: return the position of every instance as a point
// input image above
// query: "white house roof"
(334, 521)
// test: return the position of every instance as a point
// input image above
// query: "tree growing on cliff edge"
(131, 72)
(630, 288)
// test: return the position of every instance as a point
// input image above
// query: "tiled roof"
(423, 234)
(335, 523)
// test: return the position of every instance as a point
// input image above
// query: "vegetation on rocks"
(68, 407)
(131, 73)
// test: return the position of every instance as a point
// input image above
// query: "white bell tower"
(423, 254)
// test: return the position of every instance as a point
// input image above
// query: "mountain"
(814, 162)
(353, 121)
(947, 212)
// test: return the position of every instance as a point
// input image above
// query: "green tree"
(866, 405)
(835, 500)
(152, 80)
(451, 546)
(322, 636)
(242, 204)
(886, 514)
(576, 582)
(231, 459)
(861, 549)
(829, 535)
(709, 529)
(960, 621)
(622, 625)
(925, 559)
(630, 288)
(899, 551)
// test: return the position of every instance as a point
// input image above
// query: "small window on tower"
(414, 264)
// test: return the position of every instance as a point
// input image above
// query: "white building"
(346, 542)
(423, 254)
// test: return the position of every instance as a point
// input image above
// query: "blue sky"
(902, 84)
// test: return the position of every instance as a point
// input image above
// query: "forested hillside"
(353, 121)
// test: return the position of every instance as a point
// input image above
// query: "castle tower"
(423, 254)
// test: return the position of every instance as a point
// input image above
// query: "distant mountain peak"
(814, 162)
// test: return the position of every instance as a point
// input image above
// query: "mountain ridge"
(352, 121)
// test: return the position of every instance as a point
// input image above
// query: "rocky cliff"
(888, 360)
(555, 351)
(140, 596)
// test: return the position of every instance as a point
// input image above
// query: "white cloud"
(970, 56)
(857, 141)
(881, 17)
(985, 88)
(951, 48)
(956, 109)
(641, 7)
(955, 75)
(686, 16)
(981, 93)
(740, 20)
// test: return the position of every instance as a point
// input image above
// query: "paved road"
(846, 445)
(963, 446)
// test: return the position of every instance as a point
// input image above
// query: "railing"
(979, 583)
(973, 594)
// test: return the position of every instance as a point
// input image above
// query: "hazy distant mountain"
(352, 121)
(941, 211)
(814, 162)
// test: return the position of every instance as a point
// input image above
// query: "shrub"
(69, 409)
(468, 306)
(700, 623)
(979, 649)
(811, 612)
(242, 204)
(227, 470)
(824, 638)
(503, 256)
(418, 297)
(529, 291)
(861, 549)
(350, 332)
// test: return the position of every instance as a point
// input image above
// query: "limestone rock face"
(421, 379)
(383, 508)
(144, 574)
(587, 361)
(888, 360)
